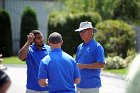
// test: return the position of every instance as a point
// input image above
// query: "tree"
(28, 23)
(5, 34)
(65, 24)
(117, 37)
(78, 5)
(128, 10)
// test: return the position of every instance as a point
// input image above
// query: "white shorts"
(33, 91)
(87, 90)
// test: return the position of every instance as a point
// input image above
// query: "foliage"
(28, 23)
(74, 6)
(115, 62)
(117, 37)
(106, 8)
(127, 10)
(5, 34)
(66, 23)
(131, 54)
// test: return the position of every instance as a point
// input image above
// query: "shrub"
(66, 23)
(115, 62)
(28, 23)
(5, 34)
(131, 54)
(117, 37)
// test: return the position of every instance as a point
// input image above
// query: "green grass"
(15, 60)
(12, 60)
(118, 71)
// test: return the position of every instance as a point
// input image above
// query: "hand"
(43, 82)
(30, 37)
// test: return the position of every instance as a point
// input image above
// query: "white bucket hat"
(86, 25)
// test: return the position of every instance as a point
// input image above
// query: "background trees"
(117, 37)
(65, 24)
(28, 23)
(115, 30)
(5, 34)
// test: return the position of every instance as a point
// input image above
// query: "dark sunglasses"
(83, 31)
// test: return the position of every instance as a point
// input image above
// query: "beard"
(39, 45)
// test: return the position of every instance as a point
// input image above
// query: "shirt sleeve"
(100, 55)
(42, 74)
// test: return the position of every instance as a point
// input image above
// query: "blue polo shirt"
(60, 69)
(86, 54)
(33, 59)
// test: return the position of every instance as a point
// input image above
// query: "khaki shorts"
(87, 90)
(33, 91)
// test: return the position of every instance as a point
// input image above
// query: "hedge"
(5, 34)
(28, 23)
(66, 23)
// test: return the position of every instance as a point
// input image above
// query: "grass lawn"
(15, 60)
(12, 60)
(118, 71)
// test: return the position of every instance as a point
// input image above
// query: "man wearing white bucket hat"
(90, 60)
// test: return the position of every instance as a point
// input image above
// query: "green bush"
(28, 23)
(5, 34)
(115, 62)
(117, 37)
(131, 54)
(127, 10)
(66, 23)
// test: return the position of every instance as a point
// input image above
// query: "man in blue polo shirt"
(58, 68)
(90, 60)
(33, 52)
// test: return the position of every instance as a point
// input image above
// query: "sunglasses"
(83, 31)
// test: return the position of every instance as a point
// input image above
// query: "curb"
(15, 65)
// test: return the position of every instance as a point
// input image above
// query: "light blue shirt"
(60, 69)
(33, 59)
(86, 54)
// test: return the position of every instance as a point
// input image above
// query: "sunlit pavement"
(110, 83)
(18, 76)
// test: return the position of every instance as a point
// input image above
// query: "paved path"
(111, 83)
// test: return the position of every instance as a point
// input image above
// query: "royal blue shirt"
(60, 69)
(87, 54)
(33, 59)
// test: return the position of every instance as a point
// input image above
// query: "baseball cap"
(86, 25)
(55, 38)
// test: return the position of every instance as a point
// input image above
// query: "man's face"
(39, 40)
(86, 34)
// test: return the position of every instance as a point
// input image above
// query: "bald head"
(55, 38)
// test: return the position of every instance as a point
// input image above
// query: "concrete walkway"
(111, 83)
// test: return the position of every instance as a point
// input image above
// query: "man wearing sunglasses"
(90, 60)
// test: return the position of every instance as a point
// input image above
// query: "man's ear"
(48, 43)
(62, 42)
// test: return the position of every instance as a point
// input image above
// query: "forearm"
(22, 54)
(96, 65)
